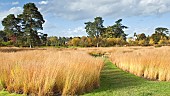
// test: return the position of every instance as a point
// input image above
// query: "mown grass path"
(115, 82)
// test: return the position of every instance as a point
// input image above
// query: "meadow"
(148, 62)
(48, 71)
(110, 71)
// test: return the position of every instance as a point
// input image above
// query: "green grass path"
(115, 82)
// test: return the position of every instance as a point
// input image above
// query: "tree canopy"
(115, 31)
(160, 33)
(96, 29)
(25, 26)
(11, 25)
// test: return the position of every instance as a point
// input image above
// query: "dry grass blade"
(46, 72)
(147, 62)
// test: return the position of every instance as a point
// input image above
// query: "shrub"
(6, 43)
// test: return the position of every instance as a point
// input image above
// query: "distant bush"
(9, 43)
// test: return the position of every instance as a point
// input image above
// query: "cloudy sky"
(67, 17)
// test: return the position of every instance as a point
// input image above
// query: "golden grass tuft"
(49, 72)
(150, 63)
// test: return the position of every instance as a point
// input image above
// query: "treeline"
(85, 41)
(160, 37)
(22, 30)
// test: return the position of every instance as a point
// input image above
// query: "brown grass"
(49, 72)
(148, 62)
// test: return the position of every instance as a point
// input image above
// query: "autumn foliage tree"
(160, 32)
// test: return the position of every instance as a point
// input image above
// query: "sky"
(67, 17)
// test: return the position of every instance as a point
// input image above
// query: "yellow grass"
(148, 62)
(49, 72)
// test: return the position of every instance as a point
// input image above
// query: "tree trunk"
(97, 44)
(30, 46)
(97, 41)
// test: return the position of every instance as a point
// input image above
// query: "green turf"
(5, 93)
(115, 82)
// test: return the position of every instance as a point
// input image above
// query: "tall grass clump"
(151, 63)
(49, 72)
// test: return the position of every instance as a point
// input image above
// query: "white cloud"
(60, 30)
(79, 31)
(84, 9)
(147, 31)
(76, 32)
(14, 10)
(56, 30)
(43, 2)
(15, 3)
